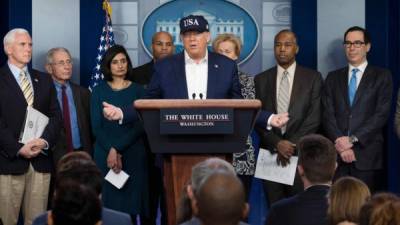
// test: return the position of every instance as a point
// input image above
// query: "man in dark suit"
(317, 163)
(79, 167)
(194, 74)
(76, 134)
(24, 168)
(162, 45)
(356, 102)
(288, 87)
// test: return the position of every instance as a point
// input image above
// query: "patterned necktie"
(67, 120)
(283, 96)
(353, 85)
(26, 88)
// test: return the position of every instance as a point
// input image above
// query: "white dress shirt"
(359, 74)
(196, 76)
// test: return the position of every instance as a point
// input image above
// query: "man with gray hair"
(74, 102)
(24, 167)
(200, 172)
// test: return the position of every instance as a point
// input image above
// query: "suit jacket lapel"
(35, 85)
(180, 74)
(13, 84)
(296, 90)
(344, 84)
(213, 68)
(362, 87)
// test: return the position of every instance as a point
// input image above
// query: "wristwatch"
(353, 139)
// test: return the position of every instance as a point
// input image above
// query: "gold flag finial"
(107, 7)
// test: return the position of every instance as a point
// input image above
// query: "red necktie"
(67, 120)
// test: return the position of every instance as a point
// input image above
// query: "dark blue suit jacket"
(12, 116)
(108, 217)
(169, 82)
(306, 208)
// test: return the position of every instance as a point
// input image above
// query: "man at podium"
(194, 73)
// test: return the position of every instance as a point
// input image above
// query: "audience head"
(116, 63)
(317, 160)
(357, 44)
(221, 199)
(228, 45)
(382, 209)
(285, 48)
(195, 35)
(75, 204)
(200, 171)
(59, 64)
(79, 167)
(346, 197)
(18, 47)
(162, 45)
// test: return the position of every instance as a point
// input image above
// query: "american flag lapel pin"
(215, 66)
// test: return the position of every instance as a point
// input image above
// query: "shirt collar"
(15, 70)
(361, 67)
(189, 60)
(58, 85)
(290, 69)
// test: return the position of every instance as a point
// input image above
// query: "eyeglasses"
(63, 63)
(356, 44)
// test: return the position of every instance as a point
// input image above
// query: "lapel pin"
(216, 66)
(36, 80)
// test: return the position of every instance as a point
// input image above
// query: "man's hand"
(38, 144)
(279, 120)
(342, 144)
(112, 160)
(111, 112)
(348, 156)
(27, 152)
(285, 150)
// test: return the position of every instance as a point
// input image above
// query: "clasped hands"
(114, 160)
(344, 148)
(285, 150)
(32, 148)
(111, 112)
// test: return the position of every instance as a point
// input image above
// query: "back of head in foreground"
(317, 160)
(200, 171)
(75, 204)
(382, 209)
(79, 167)
(221, 200)
(346, 197)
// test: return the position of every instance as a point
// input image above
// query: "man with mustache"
(288, 88)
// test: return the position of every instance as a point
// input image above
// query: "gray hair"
(10, 36)
(201, 171)
(50, 54)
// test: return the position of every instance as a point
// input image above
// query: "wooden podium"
(185, 142)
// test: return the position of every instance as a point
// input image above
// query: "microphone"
(194, 96)
(201, 96)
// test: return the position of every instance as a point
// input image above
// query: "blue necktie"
(353, 85)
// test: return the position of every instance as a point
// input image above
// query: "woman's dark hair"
(105, 66)
(75, 204)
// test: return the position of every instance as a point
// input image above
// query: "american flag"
(106, 41)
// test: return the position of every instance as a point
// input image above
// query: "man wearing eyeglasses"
(356, 103)
(288, 87)
(74, 102)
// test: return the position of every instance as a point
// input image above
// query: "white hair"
(10, 36)
(50, 54)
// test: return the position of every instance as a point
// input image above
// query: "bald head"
(162, 45)
(221, 199)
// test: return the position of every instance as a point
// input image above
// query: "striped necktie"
(26, 88)
(284, 96)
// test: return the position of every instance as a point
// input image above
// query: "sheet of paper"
(117, 179)
(268, 169)
(35, 123)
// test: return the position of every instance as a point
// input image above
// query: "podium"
(190, 131)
